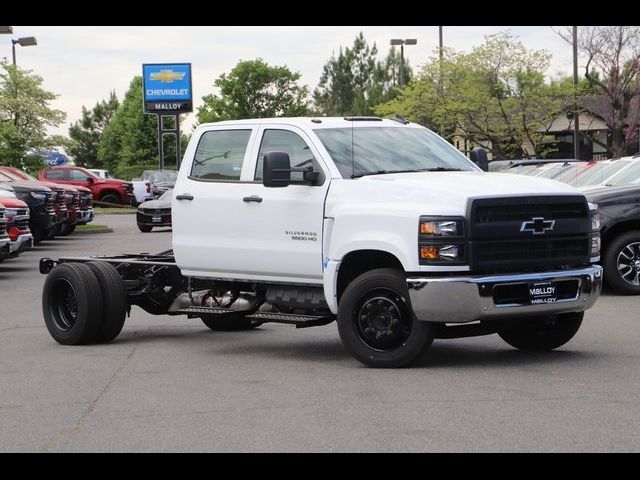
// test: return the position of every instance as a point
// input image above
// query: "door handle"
(252, 198)
(184, 196)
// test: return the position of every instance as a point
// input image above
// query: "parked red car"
(103, 190)
(17, 225)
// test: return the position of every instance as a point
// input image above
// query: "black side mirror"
(90, 180)
(276, 170)
(479, 157)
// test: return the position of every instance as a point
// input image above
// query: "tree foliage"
(254, 89)
(25, 114)
(613, 69)
(495, 96)
(86, 133)
(354, 82)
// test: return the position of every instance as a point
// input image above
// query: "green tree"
(495, 95)
(86, 133)
(25, 114)
(354, 82)
(254, 89)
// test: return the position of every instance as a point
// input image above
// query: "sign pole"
(178, 149)
(160, 144)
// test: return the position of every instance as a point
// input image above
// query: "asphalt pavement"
(170, 384)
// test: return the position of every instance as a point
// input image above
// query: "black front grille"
(523, 233)
(3, 223)
(60, 198)
(85, 200)
(76, 200)
(158, 212)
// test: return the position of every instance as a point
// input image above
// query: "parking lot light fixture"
(402, 43)
(23, 42)
(6, 29)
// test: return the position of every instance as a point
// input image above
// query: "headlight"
(595, 217)
(595, 246)
(38, 196)
(10, 213)
(442, 253)
(441, 228)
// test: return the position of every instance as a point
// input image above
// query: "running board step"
(300, 321)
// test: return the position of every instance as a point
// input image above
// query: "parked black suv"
(619, 209)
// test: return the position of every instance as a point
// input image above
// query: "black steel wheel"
(376, 322)
(72, 304)
(621, 262)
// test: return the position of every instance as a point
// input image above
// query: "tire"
(228, 323)
(110, 198)
(623, 250)
(144, 228)
(38, 235)
(72, 304)
(51, 233)
(383, 293)
(67, 229)
(542, 334)
(114, 300)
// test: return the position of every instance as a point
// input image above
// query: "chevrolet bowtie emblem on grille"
(167, 76)
(537, 225)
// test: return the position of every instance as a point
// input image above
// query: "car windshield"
(628, 175)
(373, 150)
(164, 176)
(166, 195)
(600, 173)
(12, 176)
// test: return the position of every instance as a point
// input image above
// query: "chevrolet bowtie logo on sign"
(537, 225)
(167, 76)
(167, 88)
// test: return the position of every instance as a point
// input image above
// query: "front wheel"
(376, 322)
(621, 262)
(542, 333)
(67, 229)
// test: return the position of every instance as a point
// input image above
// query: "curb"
(94, 231)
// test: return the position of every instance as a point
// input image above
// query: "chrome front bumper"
(85, 216)
(465, 299)
(22, 243)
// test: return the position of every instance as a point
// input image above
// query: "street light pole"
(402, 43)
(576, 113)
(23, 42)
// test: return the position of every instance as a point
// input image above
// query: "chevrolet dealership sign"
(167, 88)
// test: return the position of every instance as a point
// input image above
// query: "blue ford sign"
(167, 88)
(51, 158)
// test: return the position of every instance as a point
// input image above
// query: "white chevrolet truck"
(379, 225)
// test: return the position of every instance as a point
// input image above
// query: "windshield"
(600, 173)
(370, 150)
(164, 176)
(628, 175)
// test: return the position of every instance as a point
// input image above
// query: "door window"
(78, 176)
(220, 154)
(288, 142)
(56, 174)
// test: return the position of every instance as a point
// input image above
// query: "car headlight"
(442, 253)
(595, 217)
(441, 228)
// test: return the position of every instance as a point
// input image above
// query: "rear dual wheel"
(84, 303)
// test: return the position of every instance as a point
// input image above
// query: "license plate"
(156, 219)
(543, 292)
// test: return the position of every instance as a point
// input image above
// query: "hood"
(613, 194)
(111, 181)
(26, 185)
(12, 203)
(56, 186)
(155, 205)
(442, 193)
(81, 189)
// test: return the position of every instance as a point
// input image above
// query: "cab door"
(281, 228)
(207, 202)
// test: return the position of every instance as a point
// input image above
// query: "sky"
(82, 64)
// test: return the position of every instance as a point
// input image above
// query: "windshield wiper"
(382, 172)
